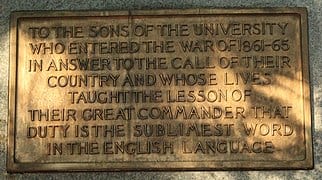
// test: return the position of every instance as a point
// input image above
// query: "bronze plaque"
(200, 89)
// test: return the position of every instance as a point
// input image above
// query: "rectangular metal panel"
(200, 89)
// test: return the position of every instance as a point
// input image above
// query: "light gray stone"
(315, 40)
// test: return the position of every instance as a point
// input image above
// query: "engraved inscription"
(191, 90)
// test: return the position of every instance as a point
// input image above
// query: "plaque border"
(14, 166)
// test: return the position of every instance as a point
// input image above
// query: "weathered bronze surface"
(159, 90)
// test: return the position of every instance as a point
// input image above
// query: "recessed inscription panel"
(192, 89)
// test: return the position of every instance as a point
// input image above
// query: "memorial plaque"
(201, 89)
